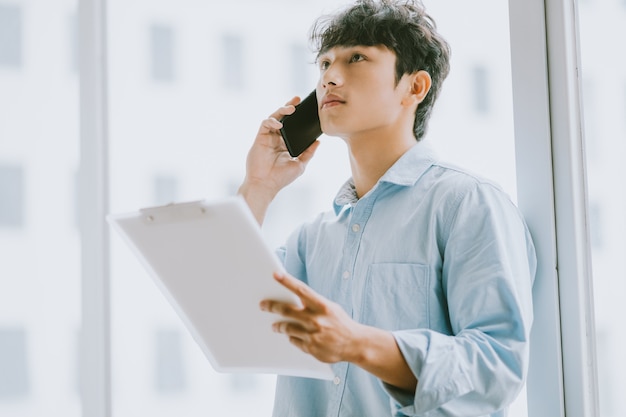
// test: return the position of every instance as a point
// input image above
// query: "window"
(165, 189)
(170, 371)
(603, 72)
(10, 35)
(75, 184)
(243, 383)
(162, 44)
(73, 42)
(39, 249)
(596, 220)
(12, 196)
(14, 372)
(233, 64)
(481, 91)
(301, 58)
(607, 354)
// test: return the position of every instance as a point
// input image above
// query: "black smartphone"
(302, 127)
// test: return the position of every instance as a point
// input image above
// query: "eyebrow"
(347, 47)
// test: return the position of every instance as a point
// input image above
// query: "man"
(417, 287)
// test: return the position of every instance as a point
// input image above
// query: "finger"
(284, 309)
(270, 125)
(300, 344)
(297, 336)
(306, 156)
(291, 329)
(309, 298)
(288, 108)
(295, 100)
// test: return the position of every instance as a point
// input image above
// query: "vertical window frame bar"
(533, 153)
(572, 211)
(95, 346)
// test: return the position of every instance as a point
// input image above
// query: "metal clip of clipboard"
(171, 212)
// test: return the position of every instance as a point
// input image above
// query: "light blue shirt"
(441, 258)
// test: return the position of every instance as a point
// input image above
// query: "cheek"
(376, 105)
(368, 108)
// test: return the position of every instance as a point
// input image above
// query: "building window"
(162, 53)
(481, 89)
(609, 395)
(595, 219)
(170, 370)
(300, 60)
(14, 380)
(624, 102)
(73, 41)
(11, 196)
(165, 189)
(77, 201)
(243, 383)
(233, 66)
(10, 35)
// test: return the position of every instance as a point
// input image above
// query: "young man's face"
(357, 91)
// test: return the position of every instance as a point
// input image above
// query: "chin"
(331, 129)
(333, 133)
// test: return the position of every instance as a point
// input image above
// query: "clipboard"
(210, 261)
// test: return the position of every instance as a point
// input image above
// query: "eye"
(324, 64)
(357, 58)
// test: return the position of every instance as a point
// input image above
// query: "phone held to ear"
(302, 127)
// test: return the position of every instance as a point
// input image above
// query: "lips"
(332, 100)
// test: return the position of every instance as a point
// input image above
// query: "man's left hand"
(319, 327)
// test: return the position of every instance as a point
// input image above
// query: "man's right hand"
(269, 167)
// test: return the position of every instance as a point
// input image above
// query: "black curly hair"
(404, 27)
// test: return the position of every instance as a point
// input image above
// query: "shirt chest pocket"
(395, 296)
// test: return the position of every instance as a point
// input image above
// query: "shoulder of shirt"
(463, 177)
(461, 182)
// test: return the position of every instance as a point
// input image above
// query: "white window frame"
(545, 62)
(93, 203)
(551, 194)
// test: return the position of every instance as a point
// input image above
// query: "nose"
(331, 77)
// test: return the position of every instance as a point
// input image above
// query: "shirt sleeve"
(291, 254)
(488, 269)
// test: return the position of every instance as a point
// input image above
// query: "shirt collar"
(405, 172)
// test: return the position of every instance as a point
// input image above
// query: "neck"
(373, 153)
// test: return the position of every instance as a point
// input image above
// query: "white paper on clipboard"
(210, 261)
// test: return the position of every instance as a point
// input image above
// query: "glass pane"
(472, 123)
(39, 240)
(604, 98)
(190, 83)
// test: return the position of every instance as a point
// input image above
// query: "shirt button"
(356, 228)
(346, 274)
(337, 380)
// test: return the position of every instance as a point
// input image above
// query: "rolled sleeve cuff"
(440, 378)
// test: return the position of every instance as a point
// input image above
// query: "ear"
(420, 83)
